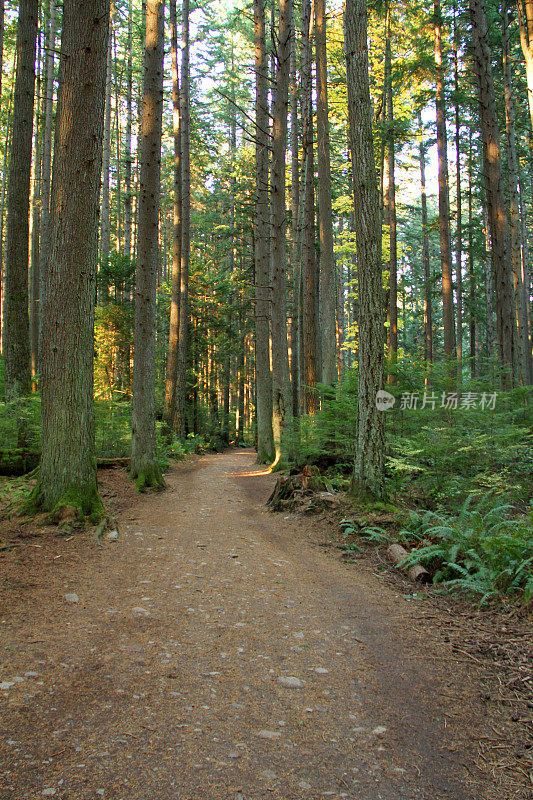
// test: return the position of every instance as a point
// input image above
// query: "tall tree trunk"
(325, 215)
(526, 284)
(341, 316)
(353, 268)
(144, 467)
(369, 463)
(181, 378)
(459, 224)
(525, 21)
(508, 350)
(16, 321)
(240, 381)
(105, 227)
(67, 475)
(265, 438)
(46, 172)
(393, 262)
(489, 293)
(385, 167)
(295, 230)
(233, 149)
(183, 331)
(2, 25)
(35, 221)
(128, 198)
(281, 403)
(515, 229)
(2, 207)
(117, 80)
(471, 271)
(444, 200)
(308, 335)
(428, 302)
(172, 360)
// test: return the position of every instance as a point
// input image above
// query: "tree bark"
(444, 200)
(118, 184)
(506, 332)
(2, 25)
(49, 70)
(240, 382)
(181, 379)
(172, 360)
(35, 220)
(526, 281)
(471, 271)
(144, 467)
(128, 197)
(525, 21)
(341, 315)
(2, 207)
(67, 475)
(368, 475)
(308, 335)
(105, 228)
(16, 321)
(295, 230)
(281, 402)
(459, 223)
(489, 293)
(325, 214)
(265, 438)
(428, 302)
(515, 228)
(233, 149)
(393, 260)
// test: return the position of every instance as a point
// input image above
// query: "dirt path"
(216, 652)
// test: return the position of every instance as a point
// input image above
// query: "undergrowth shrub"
(483, 550)
(20, 424)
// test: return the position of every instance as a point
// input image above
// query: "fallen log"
(396, 553)
(17, 462)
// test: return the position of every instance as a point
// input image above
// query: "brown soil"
(168, 679)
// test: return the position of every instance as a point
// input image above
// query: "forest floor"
(218, 650)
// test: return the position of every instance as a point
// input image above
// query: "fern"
(482, 550)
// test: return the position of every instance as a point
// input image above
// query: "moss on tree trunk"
(149, 477)
(84, 500)
(67, 475)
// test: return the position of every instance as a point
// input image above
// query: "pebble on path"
(291, 682)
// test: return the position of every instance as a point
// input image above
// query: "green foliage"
(482, 550)
(117, 271)
(376, 535)
(20, 424)
(113, 341)
(441, 456)
(113, 429)
(330, 431)
(113, 434)
(435, 457)
(471, 465)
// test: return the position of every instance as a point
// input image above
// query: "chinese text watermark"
(411, 401)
